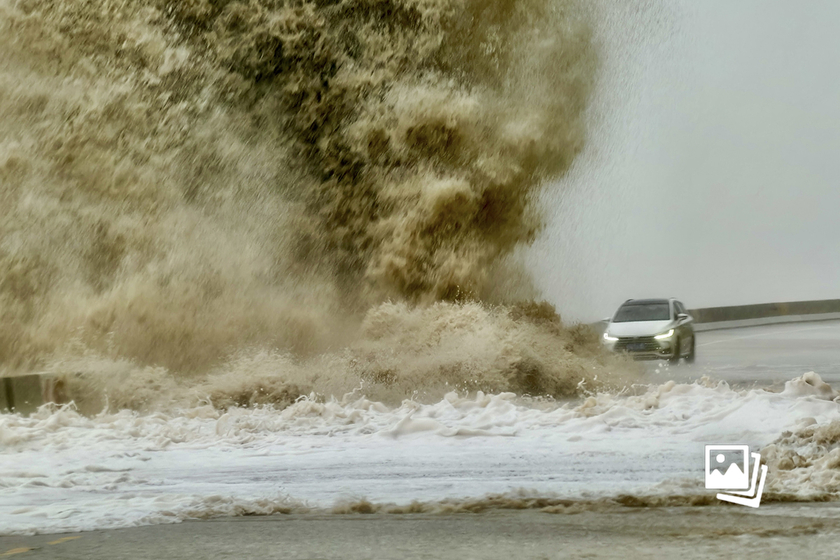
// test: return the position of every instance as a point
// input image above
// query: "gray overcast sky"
(712, 169)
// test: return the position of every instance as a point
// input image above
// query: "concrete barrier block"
(5, 390)
(23, 393)
(28, 393)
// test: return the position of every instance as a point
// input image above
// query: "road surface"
(789, 533)
(765, 355)
(768, 355)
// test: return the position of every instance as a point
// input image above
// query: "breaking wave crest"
(246, 187)
(401, 352)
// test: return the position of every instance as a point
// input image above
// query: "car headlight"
(668, 334)
(609, 338)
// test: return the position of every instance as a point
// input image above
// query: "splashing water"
(314, 194)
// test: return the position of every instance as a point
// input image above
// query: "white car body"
(670, 336)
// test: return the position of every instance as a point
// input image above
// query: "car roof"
(644, 301)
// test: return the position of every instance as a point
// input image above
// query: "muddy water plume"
(291, 196)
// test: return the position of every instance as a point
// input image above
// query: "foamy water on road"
(61, 471)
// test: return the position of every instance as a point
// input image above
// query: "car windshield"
(642, 312)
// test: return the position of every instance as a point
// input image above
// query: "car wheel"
(676, 357)
(690, 358)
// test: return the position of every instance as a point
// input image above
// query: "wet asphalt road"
(789, 532)
(765, 355)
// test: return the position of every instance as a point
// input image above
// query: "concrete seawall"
(738, 324)
(808, 310)
(711, 318)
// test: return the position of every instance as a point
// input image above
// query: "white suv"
(652, 329)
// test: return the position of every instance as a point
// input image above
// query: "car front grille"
(637, 344)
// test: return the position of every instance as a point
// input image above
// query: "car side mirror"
(606, 319)
(682, 316)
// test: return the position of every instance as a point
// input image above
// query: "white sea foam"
(62, 471)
